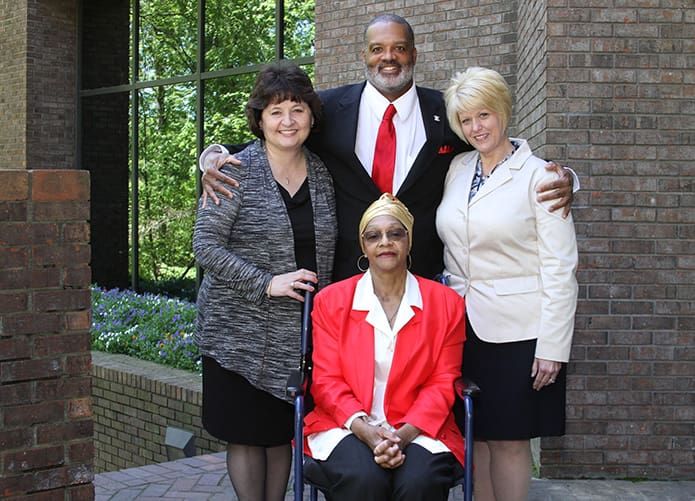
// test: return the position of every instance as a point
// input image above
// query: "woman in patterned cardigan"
(260, 250)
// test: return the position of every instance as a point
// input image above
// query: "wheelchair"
(307, 470)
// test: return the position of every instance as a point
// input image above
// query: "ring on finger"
(292, 285)
(552, 380)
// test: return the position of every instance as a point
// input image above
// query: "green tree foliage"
(167, 186)
(238, 33)
(168, 38)
(299, 29)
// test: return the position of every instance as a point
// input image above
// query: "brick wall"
(530, 91)
(105, 139)
(51, 92)
(134, 402)
(609, 90)
(621, 109)
(449, 35)
(105, 43)
(13, 34)
(45, 405)
(105, 156)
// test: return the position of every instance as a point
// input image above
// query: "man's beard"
(390, 85)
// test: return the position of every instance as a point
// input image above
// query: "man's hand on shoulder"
(213, 180)
(559, 190)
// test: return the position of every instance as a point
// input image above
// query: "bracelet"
(267, 290)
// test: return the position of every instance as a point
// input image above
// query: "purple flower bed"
(146, 326)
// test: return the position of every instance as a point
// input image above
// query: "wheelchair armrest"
(465, 387)
(295, 383)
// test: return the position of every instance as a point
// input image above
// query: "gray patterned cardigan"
(241, 244)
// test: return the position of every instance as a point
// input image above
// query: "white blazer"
(512, 259)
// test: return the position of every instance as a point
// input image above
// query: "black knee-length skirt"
(508, 407)
(239, 413)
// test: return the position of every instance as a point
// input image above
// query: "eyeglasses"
(395, 235)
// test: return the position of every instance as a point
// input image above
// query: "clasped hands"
(387, 451)
(386, 445)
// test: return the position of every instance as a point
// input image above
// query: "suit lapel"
(503, 173)
(434, 119)
(345, 133)
(346, 114)
(501, 176)
(461, 184)
(361, 338)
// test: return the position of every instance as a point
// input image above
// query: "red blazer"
(426, 361)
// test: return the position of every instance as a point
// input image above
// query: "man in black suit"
(347, 137)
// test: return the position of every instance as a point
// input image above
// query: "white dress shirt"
(410, 130)
(323, 443)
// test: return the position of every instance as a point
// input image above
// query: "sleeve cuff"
(356, 415)
(575, 178)
(218, 148)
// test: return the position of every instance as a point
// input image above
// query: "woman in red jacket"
(387, 349)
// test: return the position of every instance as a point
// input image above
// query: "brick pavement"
(204, 478)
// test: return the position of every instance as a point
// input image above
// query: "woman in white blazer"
(515, 262)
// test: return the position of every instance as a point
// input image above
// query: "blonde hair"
(388, 205)
(474, 89)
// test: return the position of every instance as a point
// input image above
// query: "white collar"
(365, 298)
(405, 105)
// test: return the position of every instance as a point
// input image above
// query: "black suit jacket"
(421, 191)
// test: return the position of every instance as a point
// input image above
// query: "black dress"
(234, 410)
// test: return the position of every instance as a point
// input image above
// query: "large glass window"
(239, 33)
(189, 68)
(166, 184)
(225, 99)
(168, 38)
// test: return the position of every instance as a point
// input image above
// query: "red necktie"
(385, 152)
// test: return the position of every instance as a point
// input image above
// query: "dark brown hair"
(276, 83)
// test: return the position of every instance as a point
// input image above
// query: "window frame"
(198, 78)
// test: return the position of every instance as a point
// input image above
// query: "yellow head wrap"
(388, 205)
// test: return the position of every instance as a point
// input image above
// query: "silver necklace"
(392, 317)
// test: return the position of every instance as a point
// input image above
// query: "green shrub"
(183, 288)
(146, 326)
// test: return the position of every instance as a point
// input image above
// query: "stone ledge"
(128, 368)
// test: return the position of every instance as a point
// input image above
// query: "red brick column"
(46, 447)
